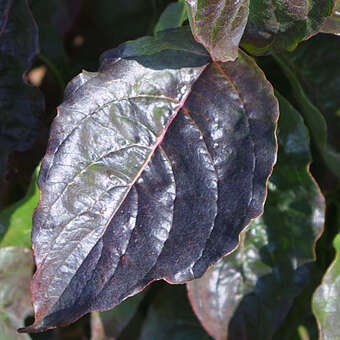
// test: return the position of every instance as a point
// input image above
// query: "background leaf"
(16, 267)
(275, 26)
(16, 220)
(248, 294)
(20, 104)
(219, 25)
(326, 301)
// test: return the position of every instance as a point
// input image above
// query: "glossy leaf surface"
(274, 26)
(16, 266)
(20, 104)
(326, 300)
(129, 174)
(313, 117)
(247, 294)
(219, 25)
(332, 23)
(16, 220)
(171, 317)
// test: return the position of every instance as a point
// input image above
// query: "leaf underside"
(219, 25)
(236, 294)
(275, 26)
(20, 104)
(153, 169)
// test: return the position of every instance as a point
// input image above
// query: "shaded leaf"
(173, 16)
(20, 104)
(326, 300)
(170, 317)
(16, 266)
(315, 63)
(313, 118)
(332, 23)
(127, 174)
(248, 294)
(280, 25)
(219, 25)
(16, 220)
(111, 323)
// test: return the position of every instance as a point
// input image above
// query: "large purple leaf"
(20, 104)
(279, 25)
(219, 25)
(147, 177)
(248, 294)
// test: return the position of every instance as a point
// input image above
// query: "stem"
(53, 68)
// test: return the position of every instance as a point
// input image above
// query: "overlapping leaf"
(20, 104)
(247, 294)
(326, 300)
(147, 175)
(219, 25)
(16, 266)
(279, 25)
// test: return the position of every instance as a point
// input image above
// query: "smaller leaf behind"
(326, 300)
(248, 294)
(16, 267)
(332, 23)
(218, 25)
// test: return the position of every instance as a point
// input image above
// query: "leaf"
(16, 266)
(313, 117)
(248, 294)
(20, 104)
(173, 16)
(332, 23)
(326, 300)
(219, 25)
(170, 317)
(128, 173)
(111, 323)
(275, 26)
(16, 220)
(314, 63)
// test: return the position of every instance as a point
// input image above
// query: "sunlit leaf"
(326, 301)
(16, 266)
(20, 104)
(247, 295)
(16, 220)
(147, 175)
(219, 25)
(280, 25)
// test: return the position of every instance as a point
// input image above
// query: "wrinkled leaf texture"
(154, 166)
(219, 25)
(20, 104)
(247, 294)
(326, 300)
(275, 26)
